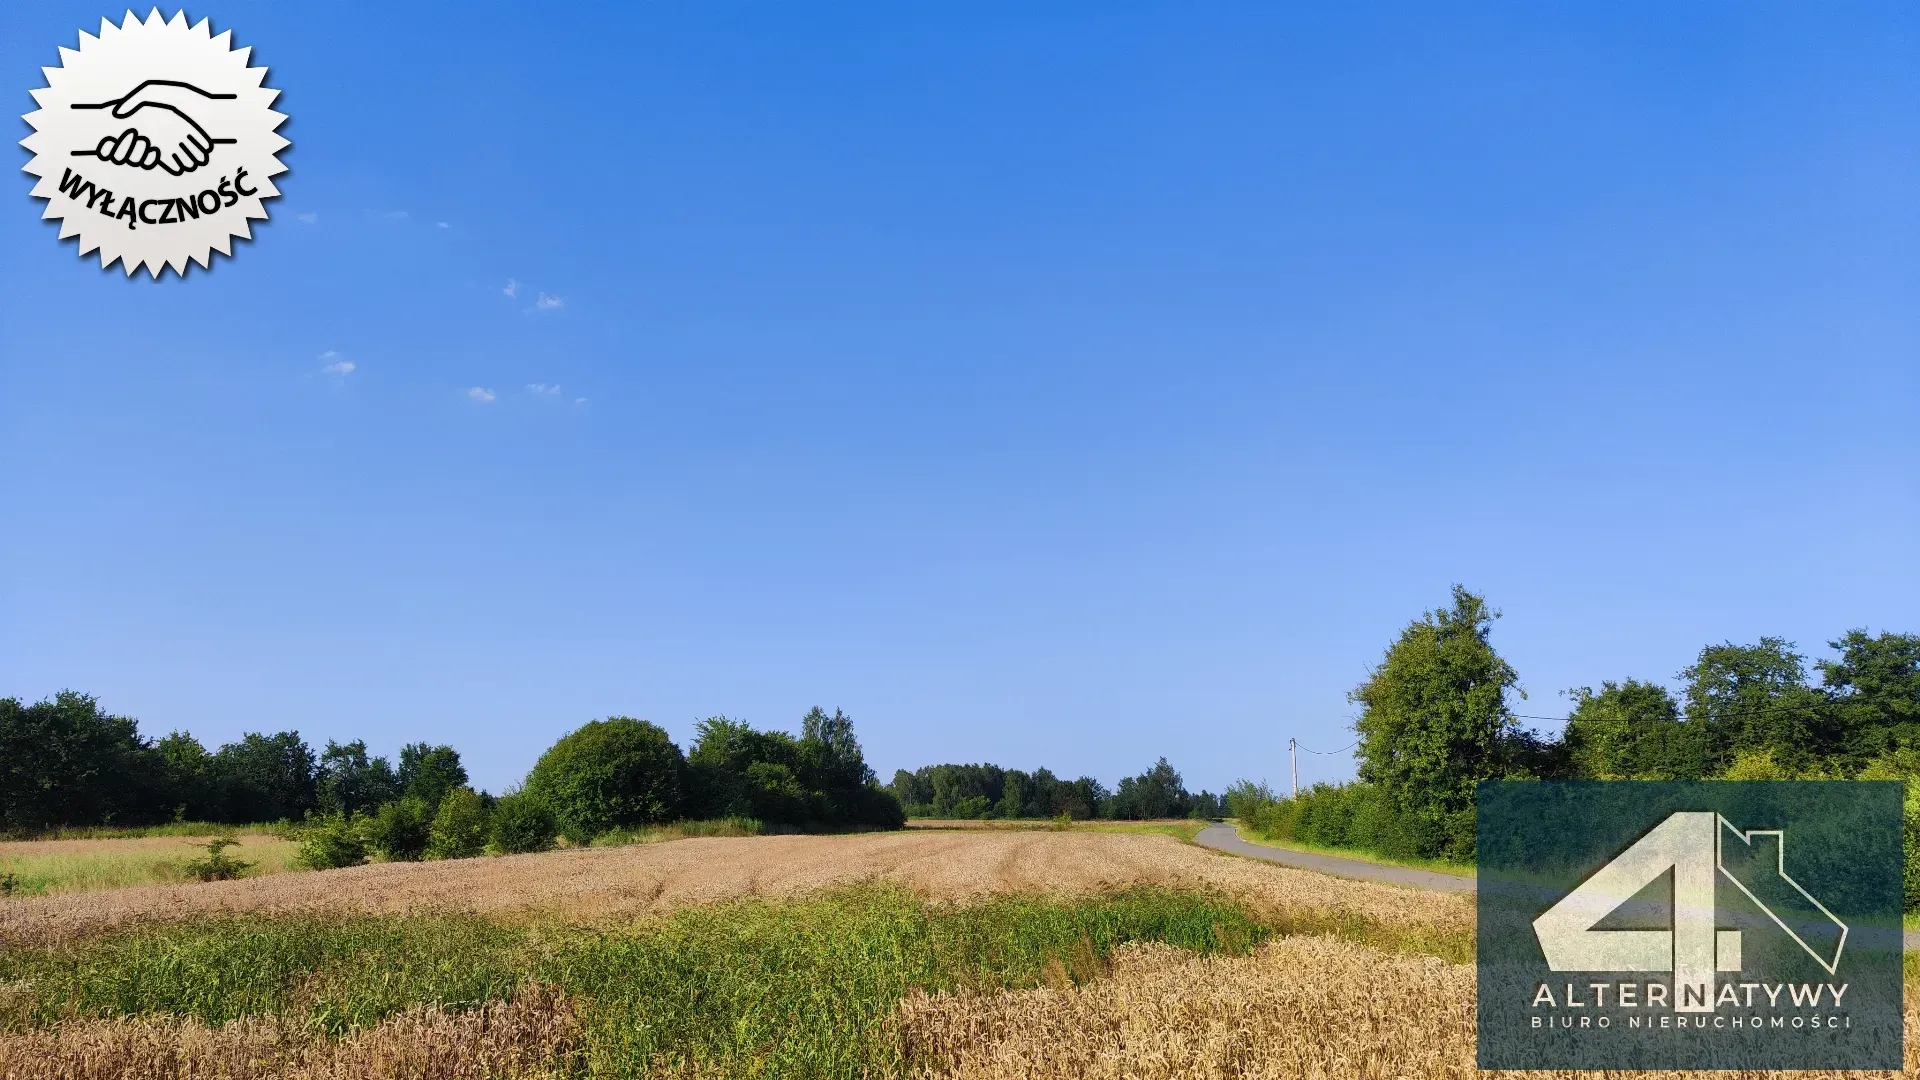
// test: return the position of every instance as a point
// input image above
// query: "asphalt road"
(1224, 838)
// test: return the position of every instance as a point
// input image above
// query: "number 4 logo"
(1689, 844)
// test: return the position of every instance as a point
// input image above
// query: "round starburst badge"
(155, 143)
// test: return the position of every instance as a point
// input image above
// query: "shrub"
(218, 865)
(400, 830)
(333, 841)
(610, 774)
(522, 823)
(973, 806)
(459, 830)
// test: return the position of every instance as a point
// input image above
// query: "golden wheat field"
(599, 883)
(1365, 1001)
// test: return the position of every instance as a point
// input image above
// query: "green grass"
(69, 867)
(680, 830)
(134, 832)
(1438, 866)
(806, 988)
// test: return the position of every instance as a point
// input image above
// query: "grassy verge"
(34, 868)
(1438, 866)
(1179, 828)
(680, 830)
(135, 832)
(806, 988)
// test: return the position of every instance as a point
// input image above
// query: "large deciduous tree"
(428, 772)
(1755, 699)
(610, 774)
(1435, 720)
(68, 762)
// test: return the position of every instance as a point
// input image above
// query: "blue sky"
(1067, 389)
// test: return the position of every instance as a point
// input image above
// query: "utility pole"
(1293, 756)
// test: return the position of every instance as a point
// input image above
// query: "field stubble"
(606, 884)
(1334, 979)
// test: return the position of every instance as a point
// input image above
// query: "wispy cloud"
(335, 364)
(396, 215)
(306, 219)
(543, 302)
(512, 289)
(480, 394)
(442, 225)
(543, 389)
(579, 401)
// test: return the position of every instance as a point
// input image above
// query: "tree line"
(66, 762)
(1436, 717)
(989, 791)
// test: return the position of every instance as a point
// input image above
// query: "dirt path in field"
(1226, 838)
(591, 884)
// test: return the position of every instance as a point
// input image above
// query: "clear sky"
(1064, 389)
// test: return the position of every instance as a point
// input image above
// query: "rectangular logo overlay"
(1628, 924)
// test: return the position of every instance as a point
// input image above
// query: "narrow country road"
(1224, 838)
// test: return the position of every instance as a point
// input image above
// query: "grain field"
(598, 884)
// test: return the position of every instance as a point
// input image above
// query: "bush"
(610, 774)
(459, 830)
(973, 806)
(332, 841)
(218, 865)
(400, 830)
(522, 823)
(1359, 816)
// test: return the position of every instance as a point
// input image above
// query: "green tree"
(1633, 731)
(610, 774)
(1435, 720)
(1875, 690)
(522, 823)
(460, 828)
(401, 829)
(187, 769)
(428, 772)
(264, 778)
(68, 762)
(332, 841)
(1157, 793)
(1755, 698)
(350, 782)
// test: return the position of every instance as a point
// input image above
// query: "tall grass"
(680, 830)
(134, 832)
(86, 865)
(751, 988)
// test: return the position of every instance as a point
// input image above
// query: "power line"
(1330, 753)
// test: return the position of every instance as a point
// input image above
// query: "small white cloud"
(328, 355)
(512, 289)
(548, 303)
(442, 225)
(544, 389)
(480, 394)
(306, 219)
(579, 401)
(340, 367)
(395, 215)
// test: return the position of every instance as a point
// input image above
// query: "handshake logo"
(178, 144)
(155, 143)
